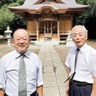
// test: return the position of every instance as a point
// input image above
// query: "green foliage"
(6, 17)
(7, 2)
(18, 20)
(88, 18)
(20, 2)
(86, 2)
(3, 2)
(93, 11)
(13, 4)
(82, 18)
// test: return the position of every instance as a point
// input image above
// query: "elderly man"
(21, 73)
(81, 63)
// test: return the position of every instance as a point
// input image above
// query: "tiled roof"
(29, 2)
(68, 4)
(69, 1)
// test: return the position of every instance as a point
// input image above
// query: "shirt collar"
(27, 54)
(83, 48)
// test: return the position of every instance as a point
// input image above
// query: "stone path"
(54, 73)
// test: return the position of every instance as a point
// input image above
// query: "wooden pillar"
(37, 30)
(27, 25)
(51, 27)
(58, 30)
(71, 21)
(44, 27)
(47, 27)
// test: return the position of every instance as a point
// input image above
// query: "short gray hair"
(80, 26)
(21, 29)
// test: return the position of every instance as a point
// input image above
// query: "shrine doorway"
(48, 30)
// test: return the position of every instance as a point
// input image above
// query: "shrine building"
(49, 19)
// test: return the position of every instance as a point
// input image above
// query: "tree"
(18, 21)
(3, 2)
(6, 17)
(93, 11)
(7, 2)
(86, 2)
(20, 2)
(88, 18)
(83, 18)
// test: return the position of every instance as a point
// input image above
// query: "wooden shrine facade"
(44, 27)
(49, 19)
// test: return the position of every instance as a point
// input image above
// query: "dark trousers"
(33, 94)
(80, 89)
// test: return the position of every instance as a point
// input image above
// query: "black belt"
(33, 94)
(78, 83)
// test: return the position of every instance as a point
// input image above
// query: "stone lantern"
(8, 35)
(69, 41)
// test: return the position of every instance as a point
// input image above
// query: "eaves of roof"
(53, 6)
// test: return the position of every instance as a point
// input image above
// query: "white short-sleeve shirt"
(86, 63)
(10, 68)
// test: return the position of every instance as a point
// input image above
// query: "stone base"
(3, 40)
(69, 42)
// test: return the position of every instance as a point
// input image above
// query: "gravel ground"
(63, 51)
(5, 49)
